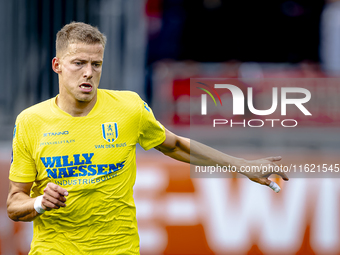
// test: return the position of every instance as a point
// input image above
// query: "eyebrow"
(84, 60)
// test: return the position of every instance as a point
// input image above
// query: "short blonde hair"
(78, 32)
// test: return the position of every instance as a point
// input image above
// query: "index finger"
(276, 158)
(283, 175)
(58, 189)
(281, 172)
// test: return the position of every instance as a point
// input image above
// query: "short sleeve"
(151, 133)
(23, 167)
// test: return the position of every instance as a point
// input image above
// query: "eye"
(97, 64)
(77, 63)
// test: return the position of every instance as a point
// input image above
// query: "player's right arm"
(20, 206)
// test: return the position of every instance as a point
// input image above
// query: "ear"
(56, 65)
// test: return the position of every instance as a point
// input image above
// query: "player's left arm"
(190, 151)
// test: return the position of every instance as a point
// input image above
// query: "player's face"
(80, 68)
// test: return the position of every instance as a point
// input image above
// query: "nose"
(88, 71)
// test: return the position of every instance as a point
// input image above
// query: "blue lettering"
(88, 157)
(80, 167)
(101, 168)
(71, 171)
(92, 169)
(112, 168)
(62, 172)
(83, 171)
(52, 173)
(65, 161)
(76, 160)
(120, 165)
(51, 161)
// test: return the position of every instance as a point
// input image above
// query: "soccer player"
(73, 164)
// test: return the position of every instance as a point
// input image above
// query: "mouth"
(86, 87)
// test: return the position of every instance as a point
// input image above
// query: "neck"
(74, 107)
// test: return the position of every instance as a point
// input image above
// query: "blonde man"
(74, 166)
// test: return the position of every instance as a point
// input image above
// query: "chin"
(86, 98)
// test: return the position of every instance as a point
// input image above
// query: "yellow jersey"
(93, 158)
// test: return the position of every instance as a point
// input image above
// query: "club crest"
(110, 131)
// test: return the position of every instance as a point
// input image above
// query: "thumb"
(274, 186)
(267, 182)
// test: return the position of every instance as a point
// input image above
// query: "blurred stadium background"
(154, 47)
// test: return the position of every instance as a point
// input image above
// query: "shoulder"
(121, 98)
(120, 94)
(36, 111)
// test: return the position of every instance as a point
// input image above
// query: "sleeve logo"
(14, 131)
(110, 131)
(146, 107)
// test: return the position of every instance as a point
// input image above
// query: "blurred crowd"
(240, 38)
